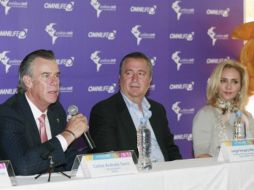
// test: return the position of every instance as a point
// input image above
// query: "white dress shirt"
(37, 113)
(137, 116)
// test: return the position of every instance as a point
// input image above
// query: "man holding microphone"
(33, 123)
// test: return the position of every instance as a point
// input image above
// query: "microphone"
(72, 111)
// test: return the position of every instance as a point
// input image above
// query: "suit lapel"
(126, 120)
(54, 123)
(155, 122)
(31, 127)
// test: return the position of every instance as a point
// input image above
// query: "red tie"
(42, 129)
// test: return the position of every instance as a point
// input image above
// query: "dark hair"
(136, 55)
(25, 65)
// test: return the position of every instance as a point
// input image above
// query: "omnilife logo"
(218, 12)
(216, 60)
(153, 61)
(182, 36)
(179, 10)
(4, 59)
(20, 34)
(136, 31)
(7, 62)
(179, 111)
(215, 36)
(180, 61)
(99, 61)
(54, 34)
(182, 86)
(105, 35)
(66, 89)
(99, 7)
(7, 4)
(68, 62)
(8, 91)
(105, 88)
(68, 7)
(148, 10)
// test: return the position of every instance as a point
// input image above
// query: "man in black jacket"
(114, 121)
(28, 141)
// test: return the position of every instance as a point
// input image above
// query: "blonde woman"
(226, 94)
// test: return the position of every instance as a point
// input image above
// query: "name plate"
(4, 177)
(106, 164)
(240, 150)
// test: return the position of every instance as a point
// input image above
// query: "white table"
(194, 174)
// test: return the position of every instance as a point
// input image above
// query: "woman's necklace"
(226, 106)
(220, 125)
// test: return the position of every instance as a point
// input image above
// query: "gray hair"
(136, 55)
(25, 65)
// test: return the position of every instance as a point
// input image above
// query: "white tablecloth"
(192, 174)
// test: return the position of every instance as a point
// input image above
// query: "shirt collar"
(145, 105)
(36, 112)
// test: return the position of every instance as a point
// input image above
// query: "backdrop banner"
(184, 39)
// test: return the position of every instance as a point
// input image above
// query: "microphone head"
(72, 110)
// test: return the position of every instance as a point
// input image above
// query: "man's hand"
(76, 126)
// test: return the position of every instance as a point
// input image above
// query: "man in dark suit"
(114, 121)
(27, 140)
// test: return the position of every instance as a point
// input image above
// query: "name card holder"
(7, 176)
(238, 150)
(104, 164)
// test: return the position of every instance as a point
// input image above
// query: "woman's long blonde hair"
(214, 81)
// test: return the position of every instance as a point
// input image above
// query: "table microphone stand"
(51, 170)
